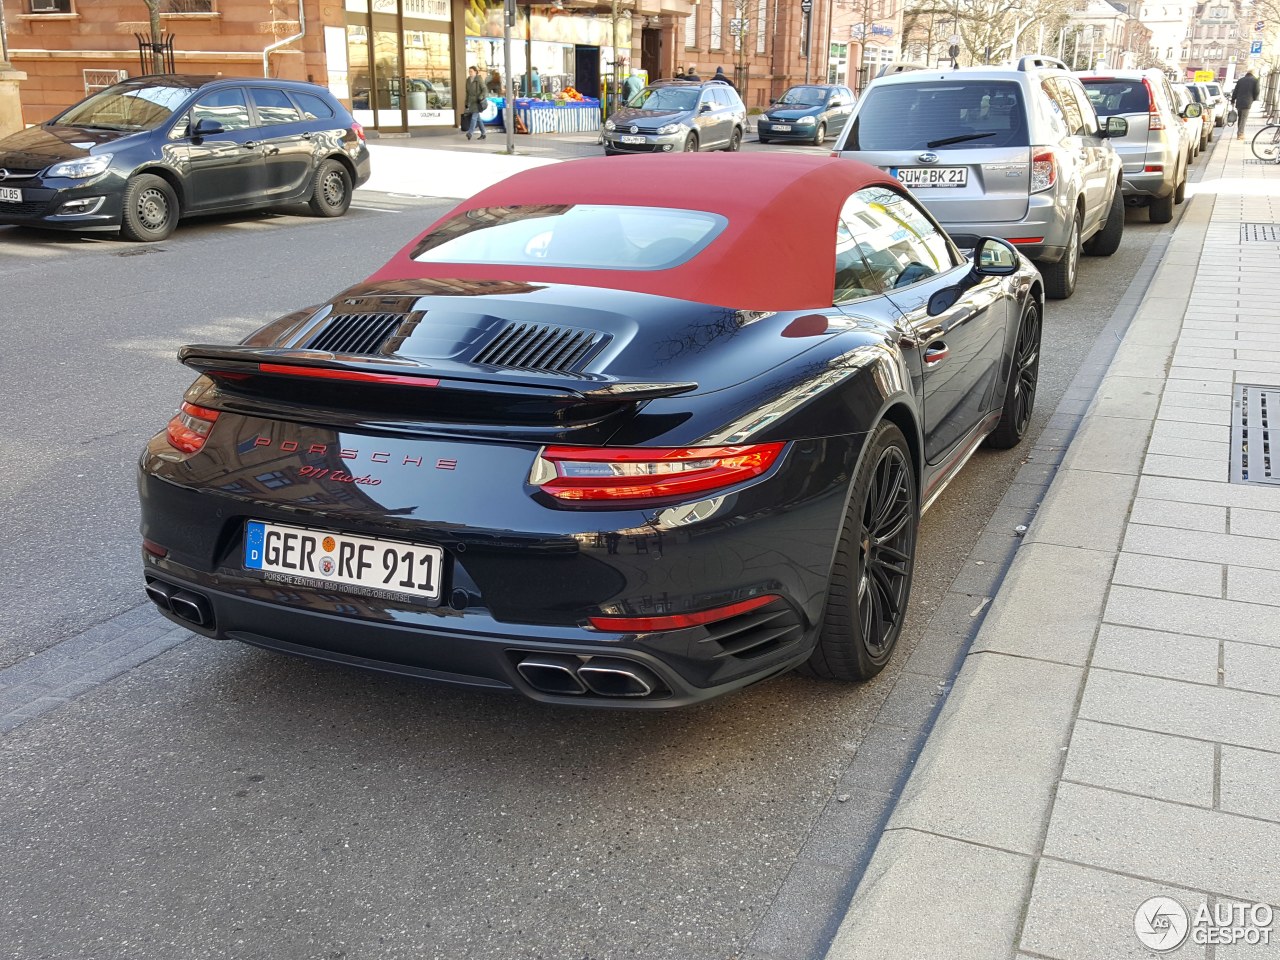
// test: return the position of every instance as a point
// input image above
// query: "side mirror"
(835, 103)
(772, 101)
(1115, 127)
(704, 107)
(1191, 111)
(207, 128)
(994, 257)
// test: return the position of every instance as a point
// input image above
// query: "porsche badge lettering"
(347, 453)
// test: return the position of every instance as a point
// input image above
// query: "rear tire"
(1181, 193)
(871, 577)
(150, 211)
(1020, 393)
(330, 190)
(1060, 277)
(1266, 144)
(1107, 240)
(1160, 209)
(735, 140)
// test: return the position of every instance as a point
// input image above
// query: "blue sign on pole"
(1255, 48)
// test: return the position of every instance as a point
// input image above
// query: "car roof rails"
(1033, 61)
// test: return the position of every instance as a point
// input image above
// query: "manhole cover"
(1251, 409)
(1260, 231)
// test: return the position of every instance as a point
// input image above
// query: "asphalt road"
(220, 801)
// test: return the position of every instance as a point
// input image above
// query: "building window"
(761, 20)
(50, 6)
(186, 6)
(691, 30)
(717, 20)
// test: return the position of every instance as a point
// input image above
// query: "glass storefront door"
(399, 63)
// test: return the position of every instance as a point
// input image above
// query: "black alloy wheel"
(871, 578)
(150, 209)
(330, 190)
(1020, 394)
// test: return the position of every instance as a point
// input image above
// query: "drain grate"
(1251, 456)
(1260, 231)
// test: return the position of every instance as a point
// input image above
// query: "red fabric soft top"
(777, 252)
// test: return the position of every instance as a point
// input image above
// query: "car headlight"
(803, 121)
(610, 125)
(81, 169)
(669, 128)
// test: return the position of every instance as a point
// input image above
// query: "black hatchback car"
(140, 155)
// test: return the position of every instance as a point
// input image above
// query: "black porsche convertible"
(612, 438)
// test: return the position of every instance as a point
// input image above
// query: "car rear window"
(1113, 97)
(940, 116)
(595, 236)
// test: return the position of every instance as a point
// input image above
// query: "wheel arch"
(169, 177)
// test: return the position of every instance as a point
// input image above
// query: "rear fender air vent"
(543, 347)
(756, 633)
(358, 333)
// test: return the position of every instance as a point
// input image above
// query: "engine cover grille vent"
(545, 347)
(357, 332)
(757, 633)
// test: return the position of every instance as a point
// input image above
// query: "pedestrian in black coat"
(1245, 93)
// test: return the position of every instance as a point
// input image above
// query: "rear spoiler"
(238, 363)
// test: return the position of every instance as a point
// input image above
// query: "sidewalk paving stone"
(1249, 666)
(1157, 653)
(1248, 783)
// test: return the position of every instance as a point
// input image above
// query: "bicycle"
(1266, 143)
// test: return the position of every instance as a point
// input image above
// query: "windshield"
(935, 116)
(1112, 97)
(597, 237)
(665, 98)
(803, 97)
(135, 108)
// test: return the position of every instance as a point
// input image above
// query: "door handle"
(251, 144)
(307, 136)
(935, 353)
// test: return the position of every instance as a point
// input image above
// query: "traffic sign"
(1205, 76)
(1258, 27)
(1255, 48)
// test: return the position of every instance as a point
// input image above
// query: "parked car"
(139, 156)
(807, 112)
(1154, 151)
(678, 115)
(1014, 152)
(1221, 103)
(1208, 106)
(1194, 122)
(628, 442)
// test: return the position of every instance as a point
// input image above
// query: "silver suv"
(1156, 151)
(1013, 152)
(677, 115)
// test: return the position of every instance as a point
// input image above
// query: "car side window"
(1065, 98)
(884, 241)
(313, 107)
(1089, 128)
(273, 106)
(227, 107)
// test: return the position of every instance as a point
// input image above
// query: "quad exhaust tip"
(601, 676)
(183, 604)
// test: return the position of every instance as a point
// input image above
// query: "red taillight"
(1153, 168)
(647, 473)
(155, 549)
(1044, 170)
(357, 130)
(678, 621)
(1026, 239)
(1156, 122)
(190, 427)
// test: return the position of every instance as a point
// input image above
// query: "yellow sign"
(1205, 76)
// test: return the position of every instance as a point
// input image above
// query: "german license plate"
(344, 559)
(932, 176)
(782, 128)
(11, 194)
(632, 139)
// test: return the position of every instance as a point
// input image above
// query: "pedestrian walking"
(631, 86)
(1242, 98)
(535, 83)
(720, 75)
(474, 104)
